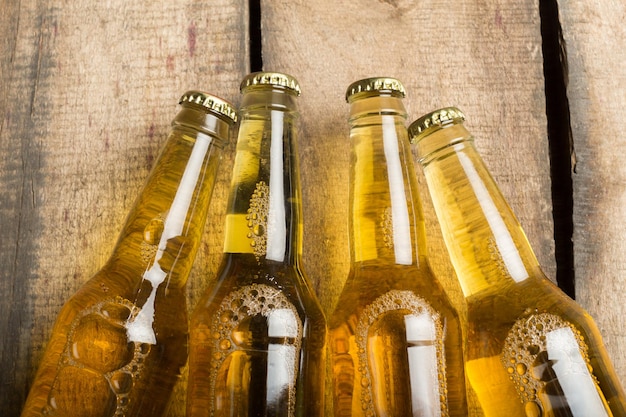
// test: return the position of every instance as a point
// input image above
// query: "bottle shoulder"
(402, 284)
(241, 276)
(535, 296)
(372, 277)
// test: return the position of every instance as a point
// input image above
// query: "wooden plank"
(597, 76)
(484, 57)
(87, 92)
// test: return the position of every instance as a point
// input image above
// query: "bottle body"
(531, 349)
(257, 344)
(119, 343)
(396, 346)
(258, 337)
(395, 339)
(541, 353)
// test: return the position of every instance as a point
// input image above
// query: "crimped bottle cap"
(376, 84)
(276, 79)
(434, 120)
(210, 103)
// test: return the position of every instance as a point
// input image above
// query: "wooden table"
(88, 89)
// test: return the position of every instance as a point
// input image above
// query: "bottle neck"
(487, 245)
(165, 226)
(264, 210)
(386, 223)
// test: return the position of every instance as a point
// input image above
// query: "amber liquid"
(257, 339)
(118, 345)
(532, 351)
(396, 346)
(541, 354)
(257, 344)
(395, 340)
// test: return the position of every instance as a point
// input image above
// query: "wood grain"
(87, 92)
(594, 33)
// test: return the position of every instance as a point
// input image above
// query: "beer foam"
(530, 356)
(283, 322)
(423, 329)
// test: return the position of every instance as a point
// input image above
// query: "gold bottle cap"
(211, 103)
(377, 84)
(276, 79)
(434, 120)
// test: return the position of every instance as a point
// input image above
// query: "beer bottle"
(119, 343)
(258, 336)
(395, 340)
(532, 351)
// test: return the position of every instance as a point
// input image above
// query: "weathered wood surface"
(87, 91)
(594, 33)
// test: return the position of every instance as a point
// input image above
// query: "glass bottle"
(119, 343)
(395, 340)
(258, 336)
(532, 351)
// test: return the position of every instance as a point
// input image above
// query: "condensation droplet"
(258, 230)
(100, 344)
(52, 401)
(115, 311)
(121, 382)
(153, 231)
(532, 409)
